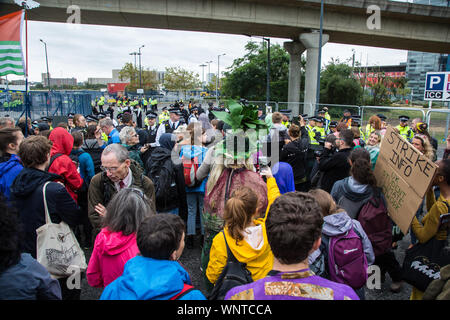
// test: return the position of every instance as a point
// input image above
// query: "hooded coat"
(63, 165)
(351, 195)
(254, 250)
(150, 279)
(111, 251)
(8, 172)
(334, 225)
(27, 197)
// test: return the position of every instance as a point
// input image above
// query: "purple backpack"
(347, 262)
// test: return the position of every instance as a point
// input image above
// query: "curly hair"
(293, 224)
(428, 148)
(11, 236)
(361, 169)
(375, 122)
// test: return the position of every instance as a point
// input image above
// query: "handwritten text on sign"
(404, 174)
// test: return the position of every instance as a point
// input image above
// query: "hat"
(151, 115)
(101, 115)
(119, 116)
(381, 116)
(46, 119)
(286, 112)
(403, 118)
(321, 111)
(346, 110)
(165, 107)
(175, 110)
(70, 115)
(91, 118)
(318, 119)
(194, 108)
(333, 124)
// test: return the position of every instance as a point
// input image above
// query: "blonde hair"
(218, 168)
(239, 211)
(428, 148)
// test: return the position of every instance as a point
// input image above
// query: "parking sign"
(437, 86)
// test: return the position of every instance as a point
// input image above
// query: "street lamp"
(46, 60)
(203, 75)
(140, 69)
(209, 68)
(268, 67)
(134, 54)
(217, 78)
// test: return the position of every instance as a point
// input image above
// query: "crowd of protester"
(135, 192)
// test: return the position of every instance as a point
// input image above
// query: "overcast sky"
(84, 51)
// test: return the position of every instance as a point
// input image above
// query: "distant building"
(209, 77)
(58, 82)
(116, 77)
(160, 76)
(103, 81)
(417, 66)
(372, 74)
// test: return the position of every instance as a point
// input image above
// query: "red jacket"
(63, 165)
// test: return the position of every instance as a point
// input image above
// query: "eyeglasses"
(112, 169)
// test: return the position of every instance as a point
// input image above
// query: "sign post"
(404, 174)
(437, 86)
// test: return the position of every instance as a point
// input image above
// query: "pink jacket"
(111, 251)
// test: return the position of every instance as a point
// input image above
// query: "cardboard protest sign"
(404, 174)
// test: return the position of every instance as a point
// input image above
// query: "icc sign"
(437, 86)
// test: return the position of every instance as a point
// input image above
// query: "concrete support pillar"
(311, 42)
(295, 50)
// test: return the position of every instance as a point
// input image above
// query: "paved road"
(191, 261)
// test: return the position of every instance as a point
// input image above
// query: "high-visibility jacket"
(369, 131)
(312, 134)
(327, 116)
(154, 101)
(286, 123)
(406, 132)
(321, 130)
(164, 116)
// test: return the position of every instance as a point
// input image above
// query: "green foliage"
(241, 118)
(247, 76)
(337, 85)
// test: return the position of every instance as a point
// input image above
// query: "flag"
(11, 57)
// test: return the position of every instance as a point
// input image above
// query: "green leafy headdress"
(242, 140)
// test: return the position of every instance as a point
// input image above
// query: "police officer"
(70, 124)
(49, 121)
(326, 122)
(194, 115)
(404, 130)
(169, 125)
(285, 120)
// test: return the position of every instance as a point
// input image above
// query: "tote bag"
(57, 247)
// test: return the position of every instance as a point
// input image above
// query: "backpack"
(347, 262)
(190, 167)
(96, 155)
(376, 223)
(162, 173)
(234, 274)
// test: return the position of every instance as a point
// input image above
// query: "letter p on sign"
(435, 81)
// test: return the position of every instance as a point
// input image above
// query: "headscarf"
(203, 118)
(284, 175)
(166, 141)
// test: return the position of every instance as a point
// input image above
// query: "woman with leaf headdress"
(232, 167)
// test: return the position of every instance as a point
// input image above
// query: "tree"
(247, 76)
(179, 79)
(128, 72)
(337, 85)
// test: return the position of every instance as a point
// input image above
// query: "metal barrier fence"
(45, 103)
(438, 125)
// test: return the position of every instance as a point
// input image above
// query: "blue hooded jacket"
(8, 172)
(150, 279)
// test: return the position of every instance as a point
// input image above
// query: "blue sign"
(437, 86)
(435, 81)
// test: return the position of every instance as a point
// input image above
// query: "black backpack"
(96, 155)
(163, 175)
(234, 274)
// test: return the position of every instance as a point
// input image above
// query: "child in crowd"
(155, 274)
(116, 243)
(294, 226)
(245, 235)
